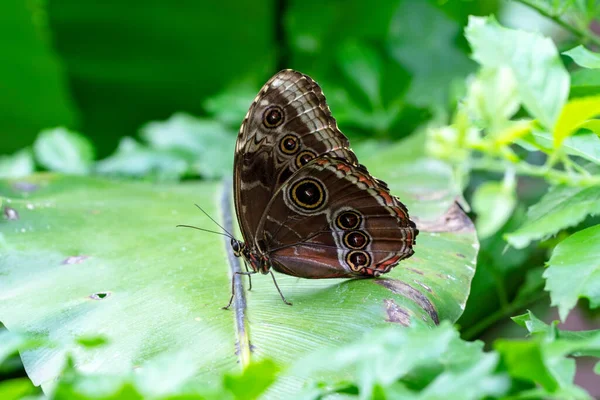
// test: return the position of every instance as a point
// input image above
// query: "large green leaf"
(82, 256)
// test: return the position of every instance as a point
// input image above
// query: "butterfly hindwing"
(332, 219)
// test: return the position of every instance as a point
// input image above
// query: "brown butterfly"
(304, 204)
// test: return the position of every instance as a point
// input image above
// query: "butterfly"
(304, 204)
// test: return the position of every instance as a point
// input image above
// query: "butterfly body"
(305, 206)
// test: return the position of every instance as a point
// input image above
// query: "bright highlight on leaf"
(593, 125)
(64, 151)
(575, 113)
(584, 57)
(17, 165)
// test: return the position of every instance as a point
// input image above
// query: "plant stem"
(553, 175)
(491, 319)
(586, 36)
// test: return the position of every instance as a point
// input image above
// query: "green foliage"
(584, 57)
(89, 292)
(415, 363)
(96, 265)
(135, 62)
(17, 165)
(574, 270)
(63, 151)
(560, 208)
(422, 39)
(489, 135)
(574, 115)
(34, 91)
(418, 362)
(181, 146)
(494, 203)
(542, 80)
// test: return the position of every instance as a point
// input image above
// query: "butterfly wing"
(332, 219)
(287, 125)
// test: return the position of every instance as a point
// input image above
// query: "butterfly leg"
(249, 276)
(233, 287)
(232, 294)
(277, 286)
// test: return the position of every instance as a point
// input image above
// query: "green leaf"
(592, 125)
(16, 389)
(494, 203)
(96, 257)
(574, 270)
(492, 97)
(581, 343)
(253, 381)
(524, 360)
(11, 342)
(363, 67)
(585, 145)
(17, 165)
(231, 105)
(206, 144)
(542, 80)
(560, 208)
(92, 341)
(418, 363)
(422, 39)
(532, 323)
(132, 159)
(584, 57)
(63, 151)
(575, 113)
(534, 282)
(166, 377)
(585, 82)
(372, 98)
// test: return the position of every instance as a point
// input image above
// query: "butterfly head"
(258, 262)
(238, 247)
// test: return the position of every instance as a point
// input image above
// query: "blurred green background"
(104, 68)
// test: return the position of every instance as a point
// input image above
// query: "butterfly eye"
(289, 144)
(273, 117)
(348, 220)
(303, 158)
(358, 259)
(356, 240)
(237, 247)
(308, 194)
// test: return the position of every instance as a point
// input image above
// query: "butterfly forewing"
(288, 125)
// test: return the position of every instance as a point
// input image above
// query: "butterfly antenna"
(205, 230)
(219, 225)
